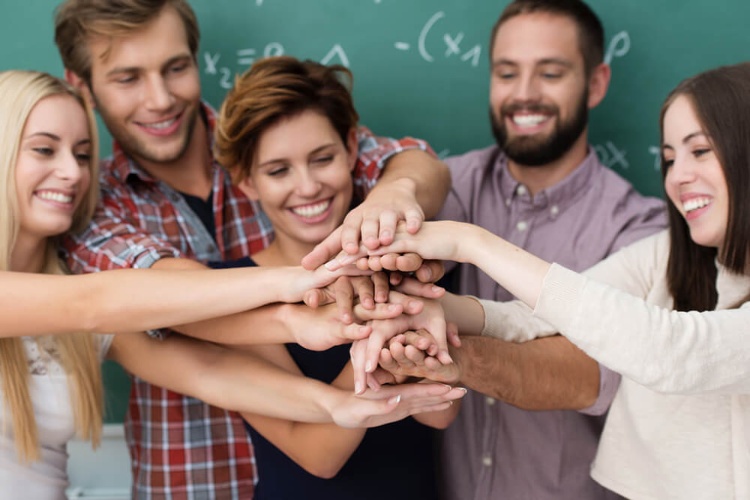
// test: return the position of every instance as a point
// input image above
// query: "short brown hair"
(721, 100)
(272, 89)
(590, 30)
(78, 20)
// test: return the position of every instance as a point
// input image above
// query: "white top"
(680, 422)
(47, 478)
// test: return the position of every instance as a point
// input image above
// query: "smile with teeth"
(529, 120)
(160, 125)
(311, 210)
(55, 196)
(695, 203)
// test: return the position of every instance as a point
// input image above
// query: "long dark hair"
(721, 100)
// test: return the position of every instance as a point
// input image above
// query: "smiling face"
(301, 175)
(147, 89)
(695, 181)
(539, 96)
(53, 167)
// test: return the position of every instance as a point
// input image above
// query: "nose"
(158, 95)
(526, 89)
(307, 183)
(69, 168)
(682, 171)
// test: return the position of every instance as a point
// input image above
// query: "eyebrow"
(314, 151)
(134, 69)
(687, 138)
(54, 137)
(541, 62)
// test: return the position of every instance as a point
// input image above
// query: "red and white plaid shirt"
(182, 448)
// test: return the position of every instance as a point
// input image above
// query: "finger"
(395, 278)
(414, 219)
(375, 263)
(386, 362)
(420, 339)
(388, 221)
(371, 233)
(381, 287)
(313, 298)
(372, 382)
(365, 290)
(414, 355)
(379, 312)
(411, 305)
(388, 261)
(408, 262)
(430, 271)
(399, 356)
(417, 288)
(344, 295)
(323, 251)
(357, 355)
(351, 232)
(452, 332)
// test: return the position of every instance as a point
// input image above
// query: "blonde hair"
(20, 91)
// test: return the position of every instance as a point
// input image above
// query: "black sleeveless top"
(393, 462)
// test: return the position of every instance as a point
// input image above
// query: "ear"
(81, 85)
(598, 84)
(247, 186)
(352, 146)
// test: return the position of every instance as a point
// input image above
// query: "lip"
(57, 198)
(157, 128)
(315, 219)
(696, 213)
(530, 126)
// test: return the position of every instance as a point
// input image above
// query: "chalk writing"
(611, 156)
(656, 152)
(451, 41)
(619, 46)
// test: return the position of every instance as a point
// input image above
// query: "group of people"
(598, 331)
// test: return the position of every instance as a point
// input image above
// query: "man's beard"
(532, 151)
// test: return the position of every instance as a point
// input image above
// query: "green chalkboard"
(421, 66)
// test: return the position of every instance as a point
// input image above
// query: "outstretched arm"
(241, 381)
(141, 299)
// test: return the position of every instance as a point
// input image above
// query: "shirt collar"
(124, 168)
(572, 186)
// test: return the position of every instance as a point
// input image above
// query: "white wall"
(101, 474)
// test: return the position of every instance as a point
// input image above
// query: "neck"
(541, 177)
(191, 172)
(28, 255)
(282, 252)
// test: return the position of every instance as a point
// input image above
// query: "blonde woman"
(51, 381)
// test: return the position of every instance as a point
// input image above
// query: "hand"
(320, 329)
(299, 282)
(373, 222)
(365, 353)
(409, 356)
(368, 289)
(392, 403)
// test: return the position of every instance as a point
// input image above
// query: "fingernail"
(463, 389)
(368, 366)
(395, 399)
(358, 388)
(437, 289)
(332, 265)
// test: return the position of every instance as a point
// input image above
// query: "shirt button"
(522, 226)
(521, 190)
(490, 401)
(554, 210)
(174, 197)
(487, 460)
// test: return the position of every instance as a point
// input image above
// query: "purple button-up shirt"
(494, 450)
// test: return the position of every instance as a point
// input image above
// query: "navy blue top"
(393, 462)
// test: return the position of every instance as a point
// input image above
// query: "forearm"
(465, 312)
(125, 300)
(321, 449)
(263, 325)
(544, 374)
(426, 177)
(231, 379)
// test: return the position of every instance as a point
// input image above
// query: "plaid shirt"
(182, 448)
